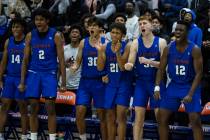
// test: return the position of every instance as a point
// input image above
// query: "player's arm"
(198, 66)
(27, 53)
(3, 62)
(78, 61)
(60, 52)
(101, 60)
(122, 59)
(160, 72)
(132, 55)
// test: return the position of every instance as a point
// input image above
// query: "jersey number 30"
(180, 70)
(92, 61)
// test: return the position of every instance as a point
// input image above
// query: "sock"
(33, 136)
(83, 137)
(24, 137)
(52, 136)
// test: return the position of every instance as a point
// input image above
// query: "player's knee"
(195, 122)
(121, 116)
(111, 117)
(34, 108)
(50, 109)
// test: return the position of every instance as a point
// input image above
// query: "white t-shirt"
(132, 26)
(72, 79)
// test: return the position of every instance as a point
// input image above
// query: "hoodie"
(195, 34)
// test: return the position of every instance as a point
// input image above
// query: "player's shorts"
(117, 96)
(91, 89)
(10, 88)
(144, 92)
(41, 84)
(174, 96)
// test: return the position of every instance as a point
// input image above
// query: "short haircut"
(186, 24)
(96, 21)
(76, 26)
(42, 12)
(145, 18)
(120, 15)
(20, 21)
(119, 26)
(130, 1)
(160, 19)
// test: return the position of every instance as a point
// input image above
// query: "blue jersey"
(43, 52)
(146, 71)
(15, 56)
(180, 65)
(89, 61)
(112, 67)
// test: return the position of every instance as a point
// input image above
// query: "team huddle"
(164, 75)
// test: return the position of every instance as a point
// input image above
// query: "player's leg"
(103, 127)
(139, 123)
(33, 119)
(50, 107)
(195, 122)
(80, 120)
(6, 103)
(24, 118)
(122, 121)
(111, 123)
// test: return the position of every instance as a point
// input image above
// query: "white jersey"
(72, 79)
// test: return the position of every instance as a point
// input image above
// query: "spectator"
(170, 9)
(158, 28)
(132, 23)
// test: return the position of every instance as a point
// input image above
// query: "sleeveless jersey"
(146, 71)
(89, 60)
(15, 57)
(112, 66)
(180, 65)
(43, 52)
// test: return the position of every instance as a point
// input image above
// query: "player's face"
(41, 23)
(116, 35)
(180, 32)
(188, 17)
(94, 29)
(17, 30)
(74, 35)
(120, 20)
(145, 27)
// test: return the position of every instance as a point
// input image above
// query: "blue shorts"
(174, 95)
(91, 89)
(41, 84)
(143, 93)
(10, 88)
(117, 96)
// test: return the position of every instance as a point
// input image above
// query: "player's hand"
(128, 66)
(187, 99)
(62, 89)
(144, 60)
(1, 84)
(21, 87)
(156, 95)
(117, 46)
(105, 79)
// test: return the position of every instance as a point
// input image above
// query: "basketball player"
(145, 54)
(11, 66)
(184, 61)
(43, 46)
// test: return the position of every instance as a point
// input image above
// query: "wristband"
(157, 88)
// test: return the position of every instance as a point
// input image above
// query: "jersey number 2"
(41, 54)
